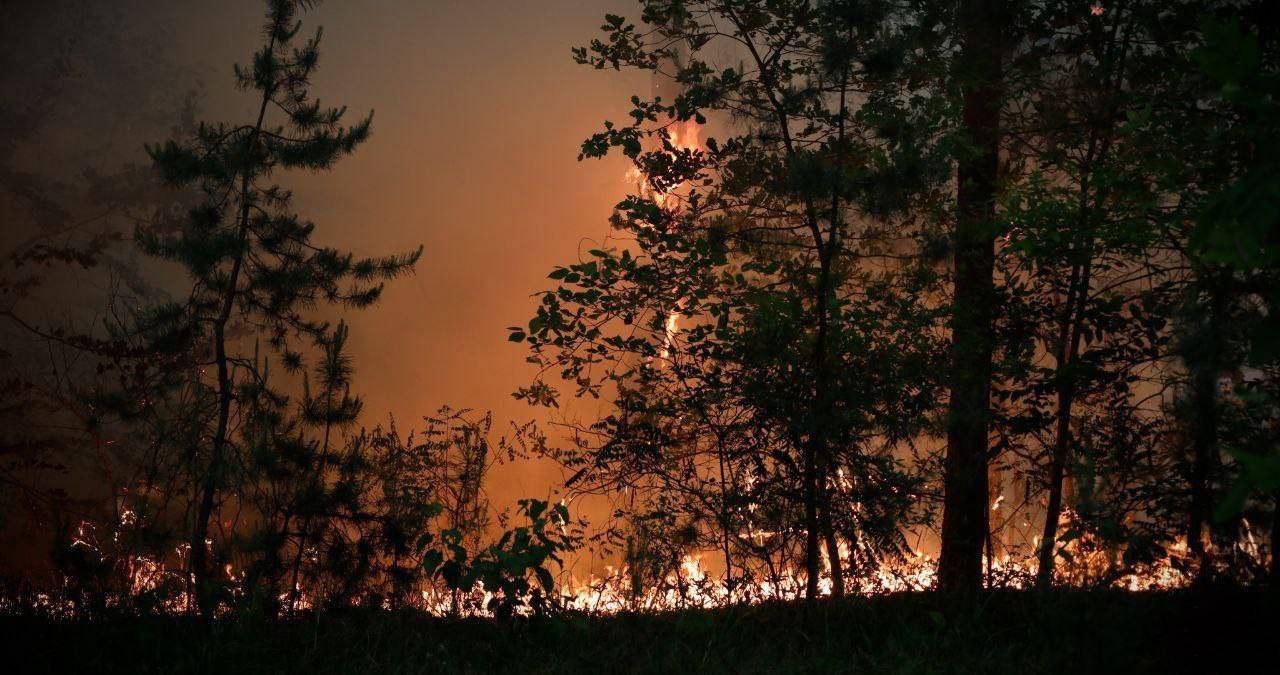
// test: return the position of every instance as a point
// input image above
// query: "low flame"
(1082, 562)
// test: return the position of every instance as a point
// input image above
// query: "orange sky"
(480, 111)
(479, 114)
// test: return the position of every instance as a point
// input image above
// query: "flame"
(1084, 561)
(682, 136)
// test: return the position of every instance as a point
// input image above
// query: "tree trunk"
(818, 448)
(1068, 350)
(726, 518)
(209, 486)
(200, 531)
(1205, 409)
(811, 565)
(1057, 473)
(1204, 429)
(827, 253)
(814, 448)
(964, 520)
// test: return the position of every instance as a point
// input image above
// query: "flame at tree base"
(1082, 563)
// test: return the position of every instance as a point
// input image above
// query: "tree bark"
(964, 521)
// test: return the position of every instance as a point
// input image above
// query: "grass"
(1005, 632)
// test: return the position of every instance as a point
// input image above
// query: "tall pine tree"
(255, 271)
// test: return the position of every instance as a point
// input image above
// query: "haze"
(479, 114)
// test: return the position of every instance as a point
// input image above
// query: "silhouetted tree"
(768, 360)
(250, 258)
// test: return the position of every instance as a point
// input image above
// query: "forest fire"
(924, 337)
(690, 587)
(689, 584)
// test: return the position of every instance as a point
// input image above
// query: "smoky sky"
(479, 113)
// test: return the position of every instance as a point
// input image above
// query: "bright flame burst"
(683, 136)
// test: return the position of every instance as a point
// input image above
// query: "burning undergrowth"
(528, 571)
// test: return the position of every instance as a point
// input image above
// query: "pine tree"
(254, 269)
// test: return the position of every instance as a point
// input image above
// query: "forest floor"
(1005, 632)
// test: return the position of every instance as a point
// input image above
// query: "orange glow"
(1083, 562)
(682, 136)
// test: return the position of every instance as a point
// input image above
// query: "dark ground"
(1007, 632)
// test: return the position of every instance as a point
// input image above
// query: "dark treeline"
(999, 270)
(997, 274)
